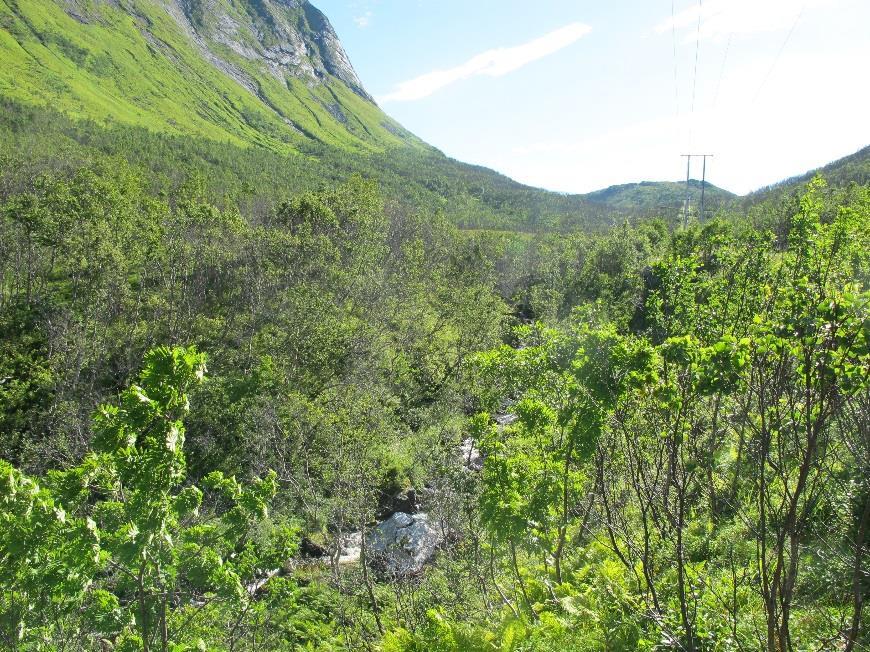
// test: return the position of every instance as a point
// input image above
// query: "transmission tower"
(689, 158)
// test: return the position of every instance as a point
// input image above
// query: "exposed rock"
(333, 57)
(286, 38)
(257, 585)
(351, 548)
(400, 545)
(182, 11)
(336, 112)
(396, 129)
(292, 125)
(403, 543)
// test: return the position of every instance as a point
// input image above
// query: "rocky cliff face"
(286, 38)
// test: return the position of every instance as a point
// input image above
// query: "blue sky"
(574, 95)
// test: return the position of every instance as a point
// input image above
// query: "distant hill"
(665, 198)
(649, 197)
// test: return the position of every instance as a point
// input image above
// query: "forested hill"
(666, 199)
(35, 139)
(659, 197)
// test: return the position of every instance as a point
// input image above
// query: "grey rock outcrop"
(403, 543)
(289, 39)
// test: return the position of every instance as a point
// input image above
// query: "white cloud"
(492, 63)
(364, 20)
(720, 18)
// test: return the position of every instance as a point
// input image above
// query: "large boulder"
(403, 543)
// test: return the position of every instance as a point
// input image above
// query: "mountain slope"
(213, 78)
(266, 72)
(265, 75)
(854, 168)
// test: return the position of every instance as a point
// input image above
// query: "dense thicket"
(673, 421)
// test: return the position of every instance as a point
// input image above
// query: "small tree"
(125, 516)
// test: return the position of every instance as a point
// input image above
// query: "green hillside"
(244, 89)
(667, 199)
(169, 67)
(254, 177)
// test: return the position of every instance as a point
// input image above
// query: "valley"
(275, 374)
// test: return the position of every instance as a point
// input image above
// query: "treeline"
(255, 178)
(198, 388)
(852, 169)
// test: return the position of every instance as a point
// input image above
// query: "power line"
(779, 54)
(695, 77)
(697, 50)
(674, 39)
(722, 71)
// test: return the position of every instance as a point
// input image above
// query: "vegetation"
(227, 357)
(255, 178)
(685, 465)
(854, 168)
(136, 84)
(134, 64)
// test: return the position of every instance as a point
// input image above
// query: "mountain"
(658, 196)
(231, 81)
(264, 72)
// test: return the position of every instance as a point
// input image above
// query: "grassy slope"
(136, 66)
